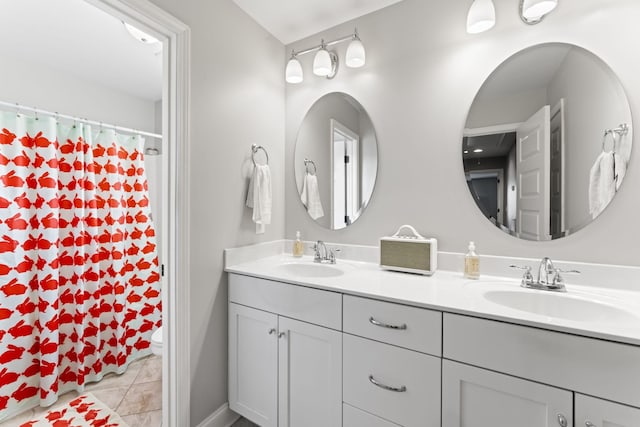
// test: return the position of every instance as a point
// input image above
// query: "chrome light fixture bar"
(325, 62)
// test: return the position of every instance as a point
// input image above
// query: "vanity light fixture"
(293, 73)
(356, 56)
(533, 11)
(481, 16)
(482, 13)
(325, 62)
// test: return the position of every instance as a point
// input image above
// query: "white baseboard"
(222, 417)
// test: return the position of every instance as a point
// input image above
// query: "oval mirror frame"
(336, 160)
(545, 132)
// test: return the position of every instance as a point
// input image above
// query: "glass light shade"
(481, 16)
(293, 72)
(322, 63)
(356, 56)
(535, 9)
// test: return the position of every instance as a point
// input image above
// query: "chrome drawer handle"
(384, 325)
(400, 389)
(562, 420)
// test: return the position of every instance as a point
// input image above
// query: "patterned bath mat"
(83, 411)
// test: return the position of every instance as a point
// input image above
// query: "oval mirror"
(336, 160)
(547, 141)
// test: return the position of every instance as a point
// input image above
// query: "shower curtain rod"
(78, 119)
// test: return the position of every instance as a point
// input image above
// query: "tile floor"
(136, 395)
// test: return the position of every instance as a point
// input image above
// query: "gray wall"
(36, 85)
(237, 99)
(422, 74)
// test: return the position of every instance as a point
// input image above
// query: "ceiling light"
(140, 35)
(293, 72)
(532, 11)
(466, 151)
(356, 56)
(325, 62)
(478, 150)
(481, 16)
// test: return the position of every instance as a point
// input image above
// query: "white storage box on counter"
(409, 253)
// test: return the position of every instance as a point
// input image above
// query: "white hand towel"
(310, 196)
(259, 197)
(605, 178)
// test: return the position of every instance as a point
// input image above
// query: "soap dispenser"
(472, 263)
(298, 248)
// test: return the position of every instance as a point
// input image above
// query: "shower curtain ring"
(35, 110)
(18, 109)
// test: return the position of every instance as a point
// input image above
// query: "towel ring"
(254, 150)
(621, 130)
(306, 165)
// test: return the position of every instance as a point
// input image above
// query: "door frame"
(336, 125)
(500, 190)
(176, 40)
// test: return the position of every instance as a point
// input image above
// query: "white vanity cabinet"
(304, 357)
(592, 412)
(284, 372)
(474, 397)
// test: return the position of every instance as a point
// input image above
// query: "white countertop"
(449, 292)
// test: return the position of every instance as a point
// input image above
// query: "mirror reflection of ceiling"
(536, 158)
(54, 33)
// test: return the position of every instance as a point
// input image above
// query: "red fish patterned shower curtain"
(79, 276)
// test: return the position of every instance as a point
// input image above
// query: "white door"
(253, 364)
(592, 412)
(473, 397)
(533, 170)
(310, 375)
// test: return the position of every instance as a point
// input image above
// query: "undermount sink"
(564, 306)
(310, 269)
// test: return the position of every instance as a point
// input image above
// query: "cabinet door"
(592, 412)
(473, 397)
(253, 364)
(310, 375)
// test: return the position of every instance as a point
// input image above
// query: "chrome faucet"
(322, 254)
(545, 269)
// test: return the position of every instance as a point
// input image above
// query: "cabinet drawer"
(366, 361)
(298, 302)
(410, 327)
(586, 365)
(354, 417)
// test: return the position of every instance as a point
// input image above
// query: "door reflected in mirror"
(336, 160)
(547, 141)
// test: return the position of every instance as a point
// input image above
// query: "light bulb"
(481, 16)
(536, 9)
(356, 56)
(322, 63)
(293, 72)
